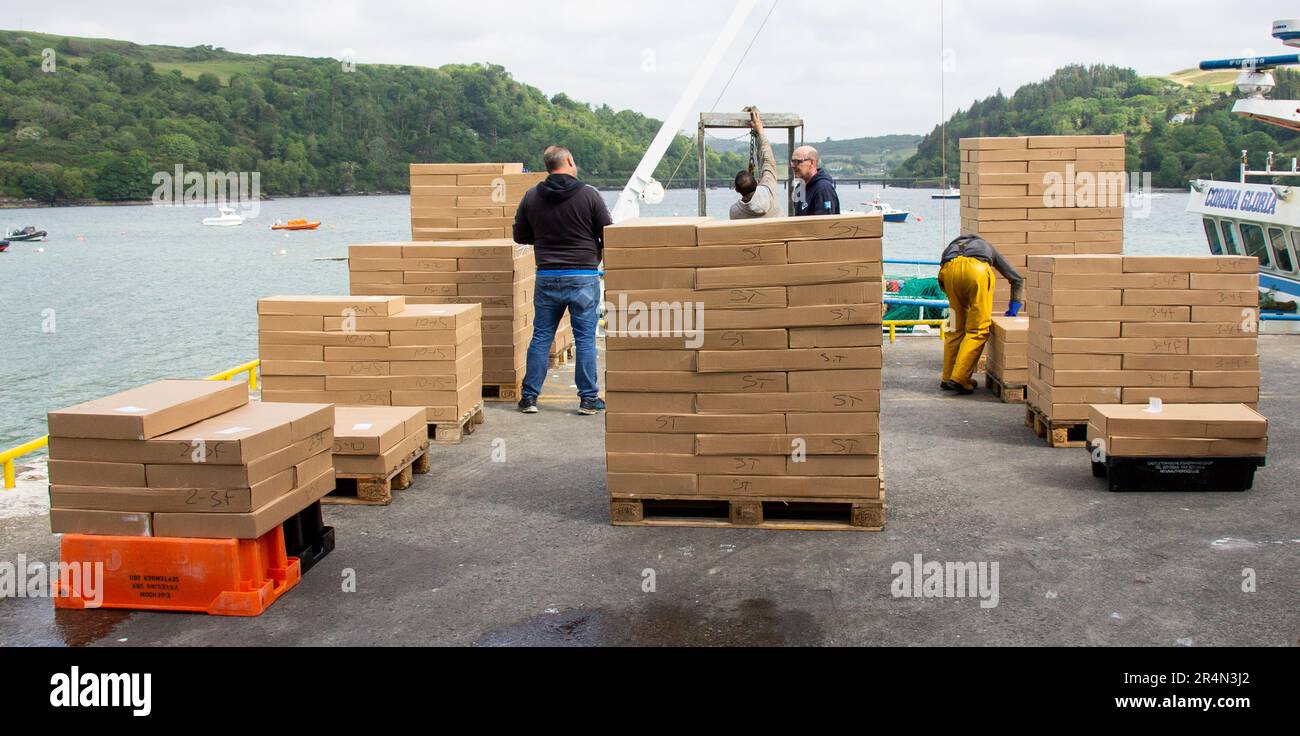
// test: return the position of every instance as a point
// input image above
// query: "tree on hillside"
(125, 178)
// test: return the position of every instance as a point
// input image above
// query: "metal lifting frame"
(737, 121)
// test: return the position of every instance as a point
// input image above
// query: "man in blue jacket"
(817, 196)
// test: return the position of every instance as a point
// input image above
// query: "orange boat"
(296, 225)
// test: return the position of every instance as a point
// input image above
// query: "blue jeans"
(581, 296)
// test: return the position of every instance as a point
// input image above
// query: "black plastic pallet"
(307, 538)
(1178, 475)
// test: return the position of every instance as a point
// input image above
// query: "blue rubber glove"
(1014, 311)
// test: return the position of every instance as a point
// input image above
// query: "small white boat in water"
(228, 218)
(887, 211)
(949, 193)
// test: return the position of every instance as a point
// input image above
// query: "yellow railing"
(8, 457)
(250, 368)
(894, 324)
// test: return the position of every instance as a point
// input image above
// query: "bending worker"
(758, 197)
(967, 278)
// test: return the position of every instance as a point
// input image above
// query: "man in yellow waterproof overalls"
(967, 278)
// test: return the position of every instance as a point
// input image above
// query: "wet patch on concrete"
(82, 628)
(754, 622)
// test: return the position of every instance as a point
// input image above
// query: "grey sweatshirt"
(973, 246)
(766, 201)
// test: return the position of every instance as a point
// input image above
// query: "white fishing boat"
(949, 193)
(228, 218)
(1259, 219)
(887, 211)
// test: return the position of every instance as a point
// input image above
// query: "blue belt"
(561, 274)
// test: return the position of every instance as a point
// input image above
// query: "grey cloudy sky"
(850, 68)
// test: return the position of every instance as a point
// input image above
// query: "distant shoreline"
(15, 204)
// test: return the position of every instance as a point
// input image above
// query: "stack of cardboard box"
(372, 440)
(187, 459)
(1044, 195)
(1126, 329)
(498, 274)
(1008, 356)
(467, 201)
(372, 350)
(744, 364)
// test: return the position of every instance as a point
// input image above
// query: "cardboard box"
(175, 500)
(835, 294)
(787, 275)
(829, 359)
(293, 383)
(768, 230)
(859, 423)
(772, 296)
(292, 352)
(787, 444)
(651, 360)
(651, 484)
(148, 411)
(797, 403)
(695, 257)
(848, 380)
(1194, 363)
(102, 474)
(827, 316)
(1192, 297)
(659, 444)
(691, 382)
(783, 487)
(1209, 421)
(1185, 448)
(857, 250)
(654, 232)
(1191, 264)
(1116, 314)
(244, 525)
(622, 462)
(1190, 395)
(713, 340)
(100, 523)
(374, 430)
(332, 306)
(453, 323)
(834, 466)
(648, 279)
(835, 337)
(690, 424)
(1245, 330)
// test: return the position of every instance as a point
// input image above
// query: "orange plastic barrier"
(222, 577)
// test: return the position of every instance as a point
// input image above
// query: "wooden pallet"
(499, 392)
(1057, 434)
(454, 433)
(564, 357)
(778, 514)
(1006, 393)
(377, 490)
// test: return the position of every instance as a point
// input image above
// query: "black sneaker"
(528, 406)
(591, 407)
(959, 389)
(948, 386)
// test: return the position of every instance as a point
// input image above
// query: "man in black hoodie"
(565, 221)
(817, 195)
